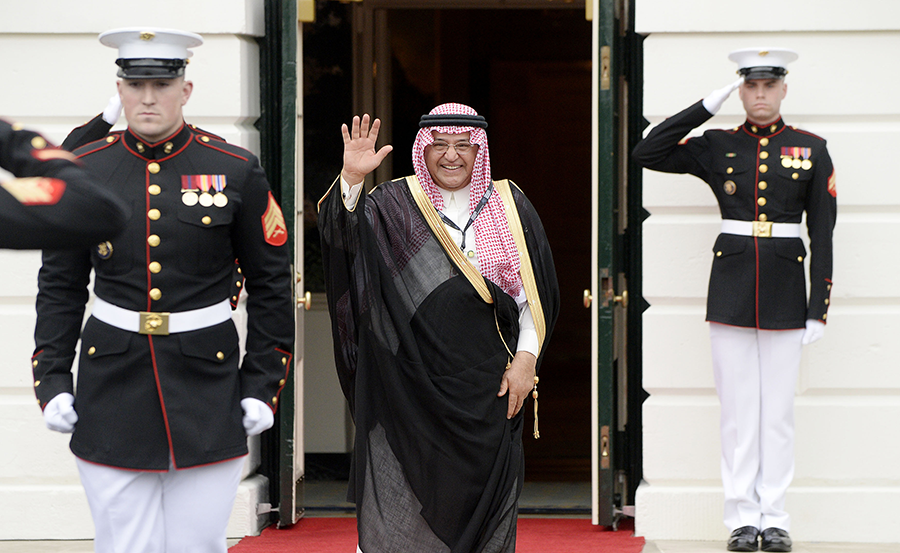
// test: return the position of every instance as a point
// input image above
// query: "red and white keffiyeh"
(497, 253)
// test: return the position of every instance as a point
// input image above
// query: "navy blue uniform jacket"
(144, 400)
(757, 282)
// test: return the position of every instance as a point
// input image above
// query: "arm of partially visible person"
(54, 202)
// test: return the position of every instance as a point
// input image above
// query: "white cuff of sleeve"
(528, 339)
(350, 194)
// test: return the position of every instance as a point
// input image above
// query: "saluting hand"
(360, 157)
(716, 98)
(518, 379)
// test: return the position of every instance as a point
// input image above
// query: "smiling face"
(153, 107)
(762, 99)
(450, 170)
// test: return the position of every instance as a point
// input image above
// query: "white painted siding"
(847, 481)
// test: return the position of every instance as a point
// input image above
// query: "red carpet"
(535, 535)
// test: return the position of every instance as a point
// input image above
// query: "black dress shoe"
(744, 539)
(775, 539)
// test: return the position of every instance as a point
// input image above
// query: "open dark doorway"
(528, 71)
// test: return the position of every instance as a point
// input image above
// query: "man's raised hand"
(716, 98)
(360, 157)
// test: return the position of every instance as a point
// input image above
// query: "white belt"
(161, 324)
(761, 229)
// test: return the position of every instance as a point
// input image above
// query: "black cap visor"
(149, 68)
(762, 72)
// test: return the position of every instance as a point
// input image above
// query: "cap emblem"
(148, 35)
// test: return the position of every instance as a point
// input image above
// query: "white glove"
(257, 416)
(814, 330)
(716, 98)
(113, 109)
(59, 415)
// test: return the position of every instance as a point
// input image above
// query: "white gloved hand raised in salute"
(113, 109)
(716, 98)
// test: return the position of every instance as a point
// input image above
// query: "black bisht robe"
(437, 466)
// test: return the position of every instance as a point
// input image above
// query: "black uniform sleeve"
(265, 264)
(54, 203)
(821, 214)
(63, 281)
(662, 149)
(95, 129)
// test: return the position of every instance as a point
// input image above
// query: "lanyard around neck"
(472, 217)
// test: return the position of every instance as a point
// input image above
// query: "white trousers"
(756, 377)
(179, 511)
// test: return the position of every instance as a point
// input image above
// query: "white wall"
(55, 76)
(843, 87)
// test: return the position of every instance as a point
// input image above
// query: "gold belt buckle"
(762, 229)
(156, 324)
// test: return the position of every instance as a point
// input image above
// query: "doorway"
(528, 71)
(534, 70)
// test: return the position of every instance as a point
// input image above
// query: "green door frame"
(619, 213)
(277, 126)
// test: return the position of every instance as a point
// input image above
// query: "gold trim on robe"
(429, 212)
(526, 270)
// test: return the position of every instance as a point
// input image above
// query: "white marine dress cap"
(150, 52)
(763, 63)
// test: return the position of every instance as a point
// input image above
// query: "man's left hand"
(814, 331)
(518, 380)
(257, 416)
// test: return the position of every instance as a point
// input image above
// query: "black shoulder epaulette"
(98, 145)
(807, 133)
(202, 132)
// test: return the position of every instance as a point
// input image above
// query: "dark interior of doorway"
(528, 71)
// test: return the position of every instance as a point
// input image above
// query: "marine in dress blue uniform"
(765, 175)
(161, 389)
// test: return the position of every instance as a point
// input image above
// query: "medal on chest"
(206, 190)
(796, 158)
